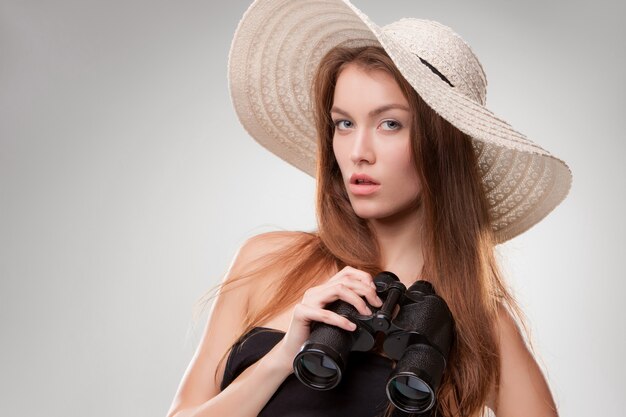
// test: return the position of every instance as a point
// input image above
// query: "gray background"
(127, 184)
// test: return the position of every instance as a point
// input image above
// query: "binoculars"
(419, 338)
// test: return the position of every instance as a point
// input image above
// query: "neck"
(400, 242)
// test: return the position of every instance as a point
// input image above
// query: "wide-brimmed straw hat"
(276, 50)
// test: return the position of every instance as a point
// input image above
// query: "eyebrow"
(374, 112)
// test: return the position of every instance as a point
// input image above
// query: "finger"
(343, 292)
(350, 282)
(306, 314)
(364, 290)
(354, 273)
(317, 295)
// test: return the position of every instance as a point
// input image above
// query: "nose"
(362, 148)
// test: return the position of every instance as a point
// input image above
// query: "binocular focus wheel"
(410, 393)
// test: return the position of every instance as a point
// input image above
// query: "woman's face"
(372, 143)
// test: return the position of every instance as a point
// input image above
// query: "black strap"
(436, 71)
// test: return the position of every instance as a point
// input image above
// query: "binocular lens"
(319, 365)
(409, 393)
(317, 370)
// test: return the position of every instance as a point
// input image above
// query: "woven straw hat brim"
(275, 51)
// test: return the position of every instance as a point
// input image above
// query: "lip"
(363, 177)
(362, 189)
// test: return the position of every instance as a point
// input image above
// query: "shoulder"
(272, 241)
(522, 388)
(265, 252)
(259, 246)
(224, 325)
(251, 272)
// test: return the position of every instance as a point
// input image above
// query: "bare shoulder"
(255, 250)
(270, 242)
(265, 250)
(231, 305)
(243, 283)
(523, 389)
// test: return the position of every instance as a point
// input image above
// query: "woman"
(414, 176)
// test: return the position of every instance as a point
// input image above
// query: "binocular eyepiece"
(419, 338)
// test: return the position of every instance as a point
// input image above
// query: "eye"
(391, 125)
(343, 124)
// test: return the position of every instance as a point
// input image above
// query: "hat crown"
(446, 51)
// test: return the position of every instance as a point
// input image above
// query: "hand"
(349, 285)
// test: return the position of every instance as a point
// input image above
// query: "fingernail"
(379, 300)
(353, 326)
(369, 312)
(373, 285)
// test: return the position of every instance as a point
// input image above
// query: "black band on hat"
(433, 69)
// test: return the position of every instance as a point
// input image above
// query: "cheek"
(408, 169)
(340, 153)
(403, 159)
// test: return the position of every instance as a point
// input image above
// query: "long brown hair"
(459, 256)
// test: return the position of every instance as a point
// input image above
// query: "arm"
(199, 395)
(523, 389)
(198, 391)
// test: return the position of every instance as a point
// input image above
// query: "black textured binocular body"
(419, 338)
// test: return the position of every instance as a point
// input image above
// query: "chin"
(370, 212)
(375, 211)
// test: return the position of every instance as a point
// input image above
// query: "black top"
(361, 391)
